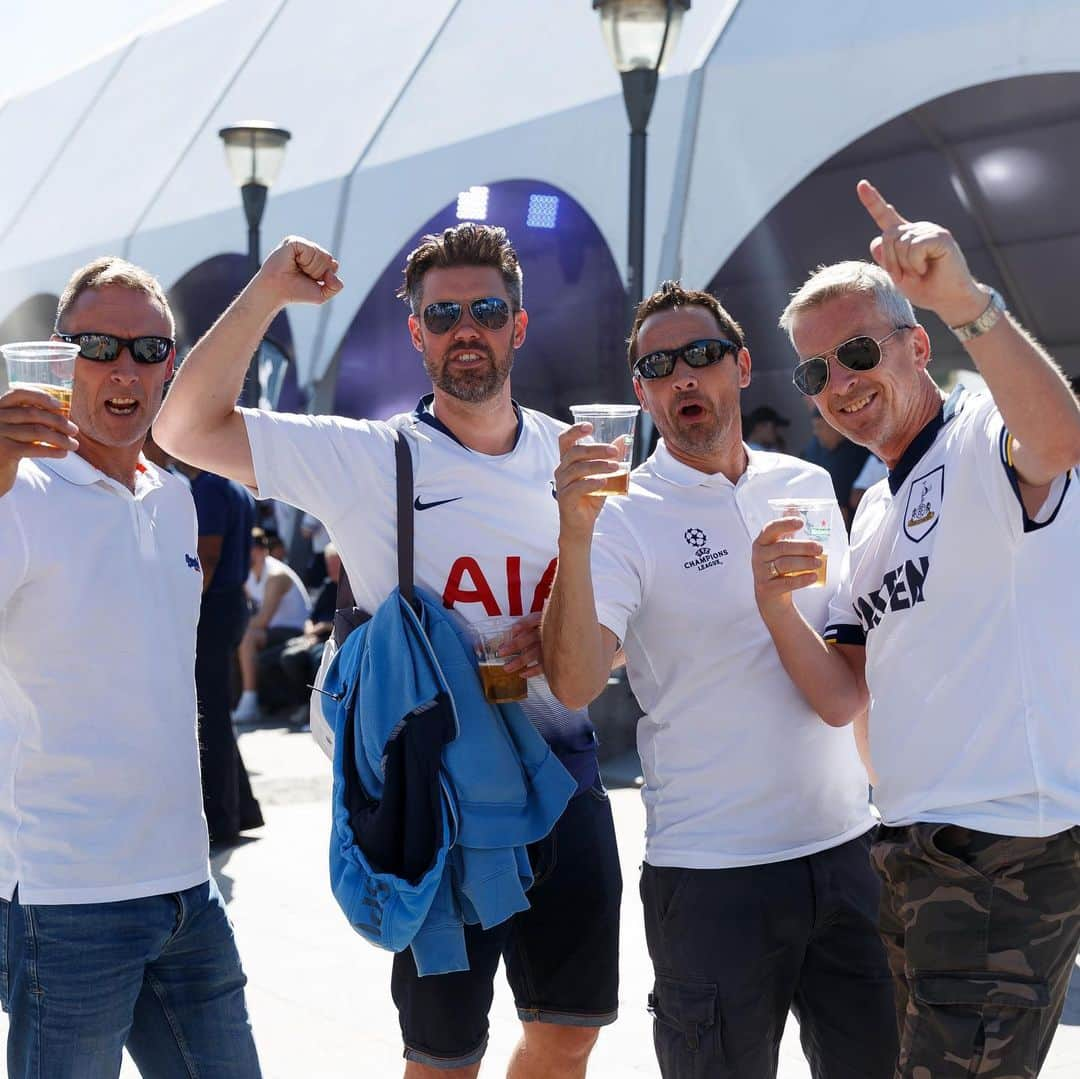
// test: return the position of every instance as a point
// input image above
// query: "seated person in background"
(300, 656)
(282, 609)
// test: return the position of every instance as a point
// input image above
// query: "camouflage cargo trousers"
(981, 932)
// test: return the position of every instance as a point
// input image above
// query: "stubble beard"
(474, 385)
(696, 439)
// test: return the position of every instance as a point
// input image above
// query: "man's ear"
(521, 322)
(414, 333)
(639, 394)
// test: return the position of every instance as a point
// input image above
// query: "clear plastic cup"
(48, 366)
(492, 640)
(614, 425)
(817, 515)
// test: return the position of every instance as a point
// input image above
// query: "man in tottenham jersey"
(485, 541)
(958, 618)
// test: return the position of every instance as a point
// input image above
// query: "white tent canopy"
(394, 108)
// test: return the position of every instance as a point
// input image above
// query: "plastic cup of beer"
(613, 424)
(493, 651)
(48, 366)
(816, 514)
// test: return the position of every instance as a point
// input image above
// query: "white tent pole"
(201, 128)
(48, 166)
(346, 186)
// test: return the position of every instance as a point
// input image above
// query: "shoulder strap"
(403, 461)
(404, 517)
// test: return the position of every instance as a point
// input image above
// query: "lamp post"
(640, 35)
(254, 152)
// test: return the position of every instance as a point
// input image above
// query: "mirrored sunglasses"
(703, 353)
(490, 312)
(105, 347)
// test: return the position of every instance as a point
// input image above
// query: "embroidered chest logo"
(192, 561)
(925, 496)
(704, 557)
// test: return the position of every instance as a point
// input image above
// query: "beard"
(473, 384)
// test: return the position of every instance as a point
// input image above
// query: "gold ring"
(773, 571)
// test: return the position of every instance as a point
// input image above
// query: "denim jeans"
(160, 975)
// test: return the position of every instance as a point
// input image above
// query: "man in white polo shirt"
(111, 930)
(485, 527)
(757, 886)
(960, 615)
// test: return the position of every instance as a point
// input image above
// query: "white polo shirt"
(100, 797)
(738, 769)
(968, 609)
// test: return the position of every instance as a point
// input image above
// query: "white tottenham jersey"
(967, 609)
(486, 527)
(738, 769)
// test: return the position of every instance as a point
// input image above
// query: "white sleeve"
(618, 572)
(320, 464)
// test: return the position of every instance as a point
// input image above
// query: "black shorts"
(561, 955)
(734, 949)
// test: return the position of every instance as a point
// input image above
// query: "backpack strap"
(405, 544)
(348, 617)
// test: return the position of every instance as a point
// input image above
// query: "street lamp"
(641, 36)
(254, 152)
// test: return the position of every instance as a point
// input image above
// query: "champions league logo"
(704, 557)
(924, 504)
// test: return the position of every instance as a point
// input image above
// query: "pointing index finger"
(884, 214)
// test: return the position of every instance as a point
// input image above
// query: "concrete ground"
(318, 993)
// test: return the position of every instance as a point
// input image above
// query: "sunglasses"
(105, 347)
(696, 354)
(859, 354)
(491, 312)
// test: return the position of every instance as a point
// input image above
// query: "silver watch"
(989, 318)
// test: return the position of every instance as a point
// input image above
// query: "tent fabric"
(396, 108)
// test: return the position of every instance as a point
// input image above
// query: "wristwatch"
(989, 318)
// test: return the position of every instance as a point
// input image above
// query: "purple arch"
(204, 292)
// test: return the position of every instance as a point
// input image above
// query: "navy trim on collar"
(424, 414)
(914, 453)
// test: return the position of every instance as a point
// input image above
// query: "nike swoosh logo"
(431, 505)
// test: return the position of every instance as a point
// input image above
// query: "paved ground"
(318, 992)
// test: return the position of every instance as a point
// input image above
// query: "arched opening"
(32, 320)
(573, 294)
(995, 163)
(204, 292)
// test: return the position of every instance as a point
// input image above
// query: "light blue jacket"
(499, 785)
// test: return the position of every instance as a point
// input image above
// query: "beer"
(61, 394)
(617, 483)
(500, 687)
(820, 573)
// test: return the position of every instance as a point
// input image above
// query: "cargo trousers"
(981, 933)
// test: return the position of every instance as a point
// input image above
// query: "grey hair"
(852, 277)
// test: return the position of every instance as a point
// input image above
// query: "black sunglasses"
(491, 312)
(105, 347)
(696, 354)
(859, 354)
